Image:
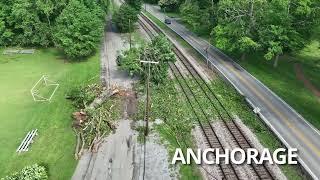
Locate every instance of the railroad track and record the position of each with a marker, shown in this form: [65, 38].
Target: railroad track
[227, 171]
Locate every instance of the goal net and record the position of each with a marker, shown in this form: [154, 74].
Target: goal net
[44, 89]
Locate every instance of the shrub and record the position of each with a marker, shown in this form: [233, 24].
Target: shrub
[82, 96]
[33, 172]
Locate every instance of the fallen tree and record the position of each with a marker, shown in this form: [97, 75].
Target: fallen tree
[94, 121]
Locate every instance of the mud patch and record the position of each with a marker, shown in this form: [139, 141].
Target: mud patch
[131, 104]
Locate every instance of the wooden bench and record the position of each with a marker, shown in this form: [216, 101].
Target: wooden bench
[24, 146]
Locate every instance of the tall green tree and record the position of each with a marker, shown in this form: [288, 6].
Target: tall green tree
[199, 19]
[25, 27]
[190, 12]
[159, 49]
[237, 25]
[78, 31]
[287, 26]
[96, 8]
[28, 26]
[125, 18]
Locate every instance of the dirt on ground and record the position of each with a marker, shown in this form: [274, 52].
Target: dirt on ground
[301, 76]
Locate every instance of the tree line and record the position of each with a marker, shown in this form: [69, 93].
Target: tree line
[273, 27]
[74, 26]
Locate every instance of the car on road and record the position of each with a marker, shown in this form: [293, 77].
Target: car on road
[167, 21]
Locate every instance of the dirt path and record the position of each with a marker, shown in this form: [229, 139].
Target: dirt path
[300, 76]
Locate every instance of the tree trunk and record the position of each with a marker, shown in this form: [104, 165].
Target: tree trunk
[275, 64]
[243, 56]
[251, 14]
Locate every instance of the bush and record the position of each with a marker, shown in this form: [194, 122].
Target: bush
[82, 96]
[122, 16]
[33, 172]
[78, 30]
[130, 61]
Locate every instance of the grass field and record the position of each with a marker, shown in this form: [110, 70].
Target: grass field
[54, 145]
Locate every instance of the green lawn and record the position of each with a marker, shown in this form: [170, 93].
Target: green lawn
[54, 145]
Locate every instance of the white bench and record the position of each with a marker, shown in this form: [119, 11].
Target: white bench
[17, 51]
[24, 146]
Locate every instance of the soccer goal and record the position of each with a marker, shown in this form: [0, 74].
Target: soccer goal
[44, 89]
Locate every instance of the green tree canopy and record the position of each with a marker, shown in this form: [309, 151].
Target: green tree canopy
[275, 26]
[190, 12]
[237, 25]
[34, 23]
[136, 4]
[123, 16]
[287, 26]
[78, 31]
[169, 5]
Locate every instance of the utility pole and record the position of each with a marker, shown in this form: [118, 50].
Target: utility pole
[148, 94]
[130, 34]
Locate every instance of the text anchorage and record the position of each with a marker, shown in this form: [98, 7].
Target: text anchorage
[236, 156]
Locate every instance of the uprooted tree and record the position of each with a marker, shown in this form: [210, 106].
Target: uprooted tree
[96, 116]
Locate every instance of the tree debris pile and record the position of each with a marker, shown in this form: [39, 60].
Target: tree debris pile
[90, 132]
[95, 120]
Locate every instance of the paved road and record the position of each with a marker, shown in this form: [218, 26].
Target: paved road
[291, 128]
